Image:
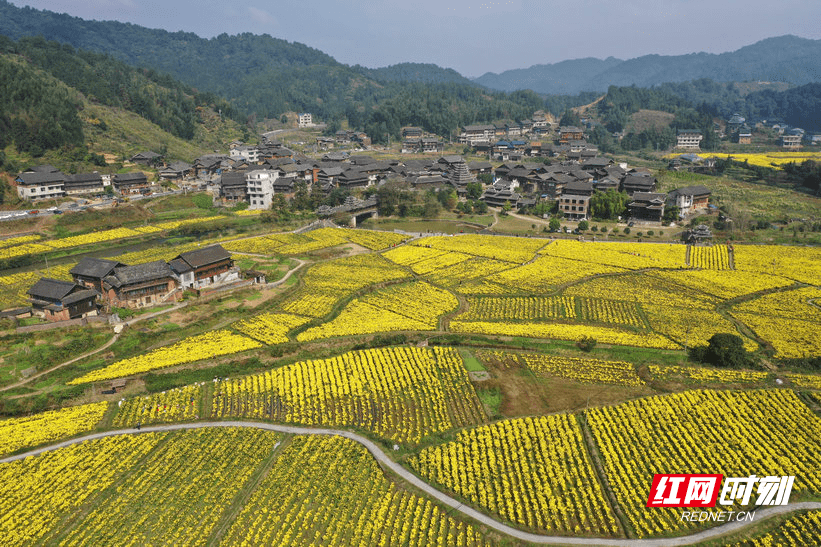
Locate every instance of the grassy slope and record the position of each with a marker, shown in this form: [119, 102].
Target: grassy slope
[748, 198]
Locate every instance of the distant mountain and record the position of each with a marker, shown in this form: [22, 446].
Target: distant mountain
[264, 77]
[564, 78]
[782, 59]
[55, 98]
[425, 73]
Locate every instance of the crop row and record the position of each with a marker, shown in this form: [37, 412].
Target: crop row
[704, 375]
[737, 434]
[416, 306]
[585, 370]
[525, 308]
[194, 348]
[330, 491]
[791, 339]
[631, 256]
[716, 257]
[801, 264]
[270, 328]
[179, 493]
[175, 405]
[509, 249]
[37, 494]
[18, 433]
[401, 394]
[547, 272]
[563, 331]
[530, 471]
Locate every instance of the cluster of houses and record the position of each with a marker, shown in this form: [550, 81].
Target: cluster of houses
[572, 184]
[96, 281]
[48, 182]
[571, 181]
[343, 137]
[789, 138]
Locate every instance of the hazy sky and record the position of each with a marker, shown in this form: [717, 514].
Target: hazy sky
[473, 36]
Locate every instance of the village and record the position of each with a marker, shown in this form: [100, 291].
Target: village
[561, 169]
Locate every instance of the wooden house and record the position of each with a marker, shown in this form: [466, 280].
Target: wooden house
[56, 300]
[647, 206]
[131, 183]
[91, 271]
[200, 268]
[141, 285]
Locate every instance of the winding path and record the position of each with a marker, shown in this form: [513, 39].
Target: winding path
[387, 462]
[137, 319]
[55, 367]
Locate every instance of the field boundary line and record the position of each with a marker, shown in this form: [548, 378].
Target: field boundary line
[443, 498]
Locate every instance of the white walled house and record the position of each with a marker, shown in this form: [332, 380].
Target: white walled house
[305, 119]
[247, 152]
[259, 186]
[41, 185]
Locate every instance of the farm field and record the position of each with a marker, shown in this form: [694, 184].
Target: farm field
[539, 382]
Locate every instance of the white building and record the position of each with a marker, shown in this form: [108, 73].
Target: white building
[259, 186]
[41, 185]
[305, 119]
[475, 134]
[689, 139]
[247, 152]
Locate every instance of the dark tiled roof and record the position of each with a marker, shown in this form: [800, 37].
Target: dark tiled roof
[130, 275]
[648, 197]
[95, 267]
[129, 177]
[205, 256]
[79, 296]
[42, 169]
[41, 178]
[179, 266]
[84, 177]
[231, 180]
[576, 186]
[149, 155]
[698, 190]
[52, 289]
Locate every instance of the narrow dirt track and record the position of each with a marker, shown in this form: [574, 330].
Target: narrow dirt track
[382, 458]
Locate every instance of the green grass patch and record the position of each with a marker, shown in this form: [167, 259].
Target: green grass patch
[492, 399]
[472, 364]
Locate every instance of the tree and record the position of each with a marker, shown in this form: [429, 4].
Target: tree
[452, 200]
[506, 208]
[284, 120]
[474, 189]
[302, 200]
[431, 207]
[723, 350]
[583, 225]
[586, 343]
[554, 225]
[608, 205]
[570, 118]
[671, 214]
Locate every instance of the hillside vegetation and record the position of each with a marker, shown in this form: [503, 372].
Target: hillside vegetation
[781, 59]
[71, 108]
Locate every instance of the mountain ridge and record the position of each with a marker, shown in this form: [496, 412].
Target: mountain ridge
[786, 58]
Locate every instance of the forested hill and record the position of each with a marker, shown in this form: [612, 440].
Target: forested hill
[44, 86]
[266, 77]
[782, 59]
[37, 111]
[415, 72]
